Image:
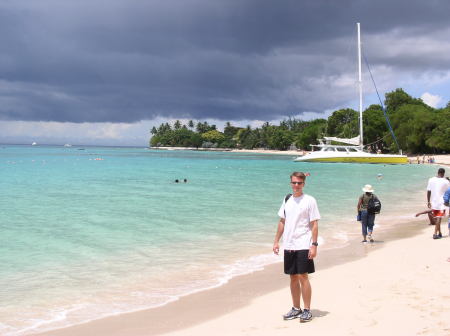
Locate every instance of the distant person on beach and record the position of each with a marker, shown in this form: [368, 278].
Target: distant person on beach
[367, 215]
[299, 220]
[437, 186]
[447, 203]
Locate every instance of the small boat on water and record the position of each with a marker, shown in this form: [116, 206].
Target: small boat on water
[34, 144]
[67, 145]
[353, 151]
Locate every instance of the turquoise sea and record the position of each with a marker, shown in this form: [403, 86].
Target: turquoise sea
[88, 232]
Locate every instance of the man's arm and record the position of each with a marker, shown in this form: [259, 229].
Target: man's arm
[423, 213]
[315, 234]
[428, 199]
[359, 204]
[280, 230]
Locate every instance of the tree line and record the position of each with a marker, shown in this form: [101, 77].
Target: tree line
[418, 127]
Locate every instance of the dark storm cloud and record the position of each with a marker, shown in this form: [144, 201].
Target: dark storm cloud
[130, 60]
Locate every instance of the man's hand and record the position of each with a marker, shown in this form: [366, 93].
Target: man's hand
[276, 248]
[429, 205]
[312, 252]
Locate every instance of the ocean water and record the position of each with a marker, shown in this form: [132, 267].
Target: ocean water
[88, 232]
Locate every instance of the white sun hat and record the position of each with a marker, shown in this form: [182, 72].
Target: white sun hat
[368, 188]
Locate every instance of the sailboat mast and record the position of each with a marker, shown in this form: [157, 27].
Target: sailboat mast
[360, 89]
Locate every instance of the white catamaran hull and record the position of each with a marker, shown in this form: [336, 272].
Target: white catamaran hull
[360, 157]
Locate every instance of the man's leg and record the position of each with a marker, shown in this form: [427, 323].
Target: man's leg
[437, 225]
[364, 224]
[370, 225]
[295, 290]
[431, 218]
[305, 289]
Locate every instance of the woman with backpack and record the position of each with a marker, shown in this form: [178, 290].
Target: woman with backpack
[368, 206]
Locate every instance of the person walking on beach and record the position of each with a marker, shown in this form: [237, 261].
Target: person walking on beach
[367, 215]
[299, 218]
[447, 203]
[437, 186]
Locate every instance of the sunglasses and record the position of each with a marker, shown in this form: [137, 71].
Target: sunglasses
[298, 183]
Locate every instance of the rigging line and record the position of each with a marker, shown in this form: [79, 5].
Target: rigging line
[381, 103]
[377, 140]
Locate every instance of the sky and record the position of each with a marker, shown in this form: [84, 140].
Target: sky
[106, 71]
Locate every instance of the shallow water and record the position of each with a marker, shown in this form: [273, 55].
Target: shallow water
[93, 231]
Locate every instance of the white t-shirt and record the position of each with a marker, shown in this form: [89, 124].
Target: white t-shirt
[438, 186]
[300, 212]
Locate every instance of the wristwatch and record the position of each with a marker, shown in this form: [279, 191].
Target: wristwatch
[315, 243]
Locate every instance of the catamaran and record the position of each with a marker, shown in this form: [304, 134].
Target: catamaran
[353, 151]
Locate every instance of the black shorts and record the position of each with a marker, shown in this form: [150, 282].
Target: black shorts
[297, 262]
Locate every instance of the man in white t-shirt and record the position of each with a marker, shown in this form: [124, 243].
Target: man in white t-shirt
[299, 218]
[437, 186]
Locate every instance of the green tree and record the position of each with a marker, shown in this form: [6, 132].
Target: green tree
[343, 123]
[440, 135]
[397, 98]
[195, 140]
[203, 127]
[310, 135]
[180, 137]
[375, 128]
[213, 136]
[230, 131]
[413, 124]
[247, 138]
[280, 138]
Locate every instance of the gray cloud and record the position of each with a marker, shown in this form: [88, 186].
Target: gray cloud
[130, 60]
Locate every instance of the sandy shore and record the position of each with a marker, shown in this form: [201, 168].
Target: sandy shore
[398, 285]
[441, 159]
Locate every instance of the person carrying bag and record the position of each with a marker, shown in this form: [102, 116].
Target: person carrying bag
[368, 206]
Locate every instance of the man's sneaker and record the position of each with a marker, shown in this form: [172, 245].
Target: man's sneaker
[435, 236]
[440, 235]
[292, 314]
[305, 316]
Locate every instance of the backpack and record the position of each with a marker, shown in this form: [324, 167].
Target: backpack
[285, 200]
[374, 205]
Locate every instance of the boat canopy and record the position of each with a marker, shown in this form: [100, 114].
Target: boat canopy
[352, 141]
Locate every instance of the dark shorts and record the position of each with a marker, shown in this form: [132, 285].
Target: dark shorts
[297, 262]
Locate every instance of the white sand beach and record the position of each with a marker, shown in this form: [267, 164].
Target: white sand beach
[395, 290]
[440, 159]
[395, 286]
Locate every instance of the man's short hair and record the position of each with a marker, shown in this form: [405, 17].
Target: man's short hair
[441, 171]
[299, 175]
